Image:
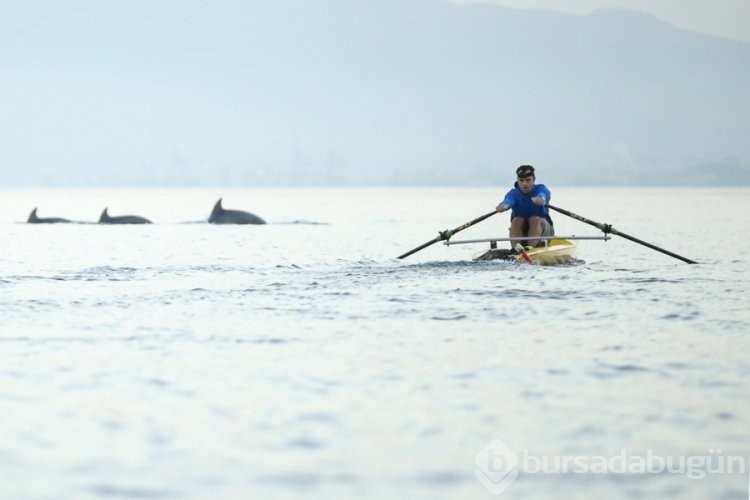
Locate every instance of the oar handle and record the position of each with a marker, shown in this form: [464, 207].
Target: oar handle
[469, 224]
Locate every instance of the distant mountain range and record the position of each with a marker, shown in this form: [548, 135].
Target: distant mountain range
[387, 92]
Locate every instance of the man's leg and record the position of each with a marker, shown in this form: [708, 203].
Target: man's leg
[518, 228]
[537, 227]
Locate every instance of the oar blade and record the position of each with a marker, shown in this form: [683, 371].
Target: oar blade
[652, 246]
[606, 228]
[420, 247]
[444, 235]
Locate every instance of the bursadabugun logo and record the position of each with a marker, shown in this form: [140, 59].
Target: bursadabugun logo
[496, 466]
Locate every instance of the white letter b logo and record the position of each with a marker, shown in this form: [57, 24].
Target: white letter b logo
[496, 467]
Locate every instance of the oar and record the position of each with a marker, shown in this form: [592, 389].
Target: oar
[444, 235]
[522, 251]
[609, 229]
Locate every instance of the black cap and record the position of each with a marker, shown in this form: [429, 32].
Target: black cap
[525, 171]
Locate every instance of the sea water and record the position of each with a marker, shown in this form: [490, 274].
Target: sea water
[303, 359]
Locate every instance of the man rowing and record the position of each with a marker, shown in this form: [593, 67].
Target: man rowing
[529, 216]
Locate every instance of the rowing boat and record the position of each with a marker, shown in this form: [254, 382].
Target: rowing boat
[556, 251]
[550, 253]
[553, 251]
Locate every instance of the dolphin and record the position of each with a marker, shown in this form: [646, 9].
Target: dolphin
[221, 216]
[105, 218]
[33, 219]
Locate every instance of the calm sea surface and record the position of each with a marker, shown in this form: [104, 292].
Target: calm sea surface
[302, 359]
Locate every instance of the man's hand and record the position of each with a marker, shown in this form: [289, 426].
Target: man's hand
[539, 201]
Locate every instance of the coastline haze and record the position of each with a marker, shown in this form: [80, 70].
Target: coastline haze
[417, 92]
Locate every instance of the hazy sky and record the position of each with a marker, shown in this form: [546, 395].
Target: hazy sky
[386, 92]
[726, 18]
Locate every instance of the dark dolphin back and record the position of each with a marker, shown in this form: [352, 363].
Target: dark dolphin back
[239, 217]
[105, 218]
[33, 219]
[221, 216]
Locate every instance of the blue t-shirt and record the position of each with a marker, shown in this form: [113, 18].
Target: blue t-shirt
[521, 204]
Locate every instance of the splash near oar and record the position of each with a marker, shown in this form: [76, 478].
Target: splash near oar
[608, 229]
[444, 235]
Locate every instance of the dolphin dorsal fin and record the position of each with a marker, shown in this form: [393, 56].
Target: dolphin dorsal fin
[32, 215]
[104, 215]
[217, 211]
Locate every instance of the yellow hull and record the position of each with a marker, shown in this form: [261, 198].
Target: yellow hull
[557, 251]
